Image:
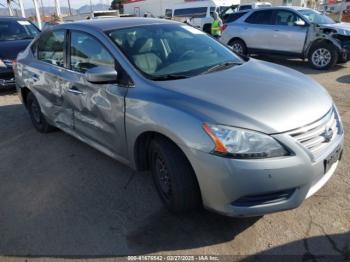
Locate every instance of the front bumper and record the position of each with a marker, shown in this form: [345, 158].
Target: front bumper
[7, 78]
[256, 187]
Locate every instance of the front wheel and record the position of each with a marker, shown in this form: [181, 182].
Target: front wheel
[173, 176]
[323, 56]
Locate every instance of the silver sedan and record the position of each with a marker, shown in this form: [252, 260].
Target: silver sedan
[238, 136]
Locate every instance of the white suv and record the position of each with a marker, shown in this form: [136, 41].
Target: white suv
[292, 31]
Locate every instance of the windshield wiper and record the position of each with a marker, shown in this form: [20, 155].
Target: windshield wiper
[167, 77]
[220, 66]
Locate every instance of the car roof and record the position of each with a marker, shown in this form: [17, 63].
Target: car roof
[296, 8]
[10, 18]
[114, 23]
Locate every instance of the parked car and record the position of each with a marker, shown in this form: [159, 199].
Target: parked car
[253, 6]
[292, 31]
[242, 137]
[15, 34]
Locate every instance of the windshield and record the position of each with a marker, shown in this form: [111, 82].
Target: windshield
[17, 30]
[316, 17]
[171, 49]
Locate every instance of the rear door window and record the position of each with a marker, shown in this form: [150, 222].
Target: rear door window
[51, 48]
[260, 17]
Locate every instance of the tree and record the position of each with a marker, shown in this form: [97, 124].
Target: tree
[117, 5]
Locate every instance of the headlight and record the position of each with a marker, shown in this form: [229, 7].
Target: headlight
[344, 32]
[243, 144]
[2, 64]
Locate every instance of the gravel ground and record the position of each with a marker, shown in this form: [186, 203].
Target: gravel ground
[61, 198]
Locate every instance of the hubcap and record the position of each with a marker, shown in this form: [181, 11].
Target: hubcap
[36, 112]
[321, 57]
[237, 47]
[163, 177]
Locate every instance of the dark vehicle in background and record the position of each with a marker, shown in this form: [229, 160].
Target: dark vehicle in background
[15, 34]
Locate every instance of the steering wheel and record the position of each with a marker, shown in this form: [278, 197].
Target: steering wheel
[188, 52]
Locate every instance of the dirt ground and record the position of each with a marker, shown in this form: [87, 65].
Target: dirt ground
[61, 198]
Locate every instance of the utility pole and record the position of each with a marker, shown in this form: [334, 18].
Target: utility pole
[58, 8]
[36, 6]
[42, 7]
[22, 8]
[9, 7]
[69, 7]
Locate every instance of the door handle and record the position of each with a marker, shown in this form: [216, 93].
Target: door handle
[35, 77]
[75, 90]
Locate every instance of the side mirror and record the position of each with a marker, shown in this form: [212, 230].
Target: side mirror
[101, 75]
[300, 23]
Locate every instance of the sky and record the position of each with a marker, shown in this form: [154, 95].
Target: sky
[74, 3]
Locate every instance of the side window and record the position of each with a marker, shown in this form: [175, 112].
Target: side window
[260, 17]
[287, 18]
[51, 48]
[86, 52]
[233, 17]
[191, 12]
[168, 13]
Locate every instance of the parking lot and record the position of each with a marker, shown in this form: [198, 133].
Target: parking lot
[62, 198]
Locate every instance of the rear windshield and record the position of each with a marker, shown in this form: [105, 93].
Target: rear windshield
[17, 30]
[233, 17]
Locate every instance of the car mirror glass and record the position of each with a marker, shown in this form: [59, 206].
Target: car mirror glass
[300, 23]
[101, 75]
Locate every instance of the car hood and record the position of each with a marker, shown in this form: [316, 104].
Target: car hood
[342, 26]
[10, 49]
[256, 95]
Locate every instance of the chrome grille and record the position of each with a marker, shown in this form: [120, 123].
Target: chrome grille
[317, 136]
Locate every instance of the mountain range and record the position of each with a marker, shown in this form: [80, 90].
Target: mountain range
[49, 10]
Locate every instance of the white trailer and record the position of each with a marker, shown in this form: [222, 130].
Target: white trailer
[151, 8]
[165, 8]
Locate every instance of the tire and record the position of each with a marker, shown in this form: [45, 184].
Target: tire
[238, 46]
[323, 56]
[207, 29]
[173, 176]
[38, 119]
[343, 59]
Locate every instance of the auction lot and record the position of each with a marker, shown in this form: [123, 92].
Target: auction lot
[62, 198]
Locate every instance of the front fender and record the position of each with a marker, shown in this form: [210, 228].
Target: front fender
[315, 35]
[161, 117]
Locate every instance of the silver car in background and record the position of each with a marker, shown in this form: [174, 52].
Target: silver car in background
[239, 136]
[291, 31]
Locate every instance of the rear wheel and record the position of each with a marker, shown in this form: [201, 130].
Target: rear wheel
[323, 56]
[38, 119]
[238, 46]
[173, 176]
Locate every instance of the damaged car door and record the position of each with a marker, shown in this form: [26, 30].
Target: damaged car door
[289, 32]
[98, 108]
[45, 77]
